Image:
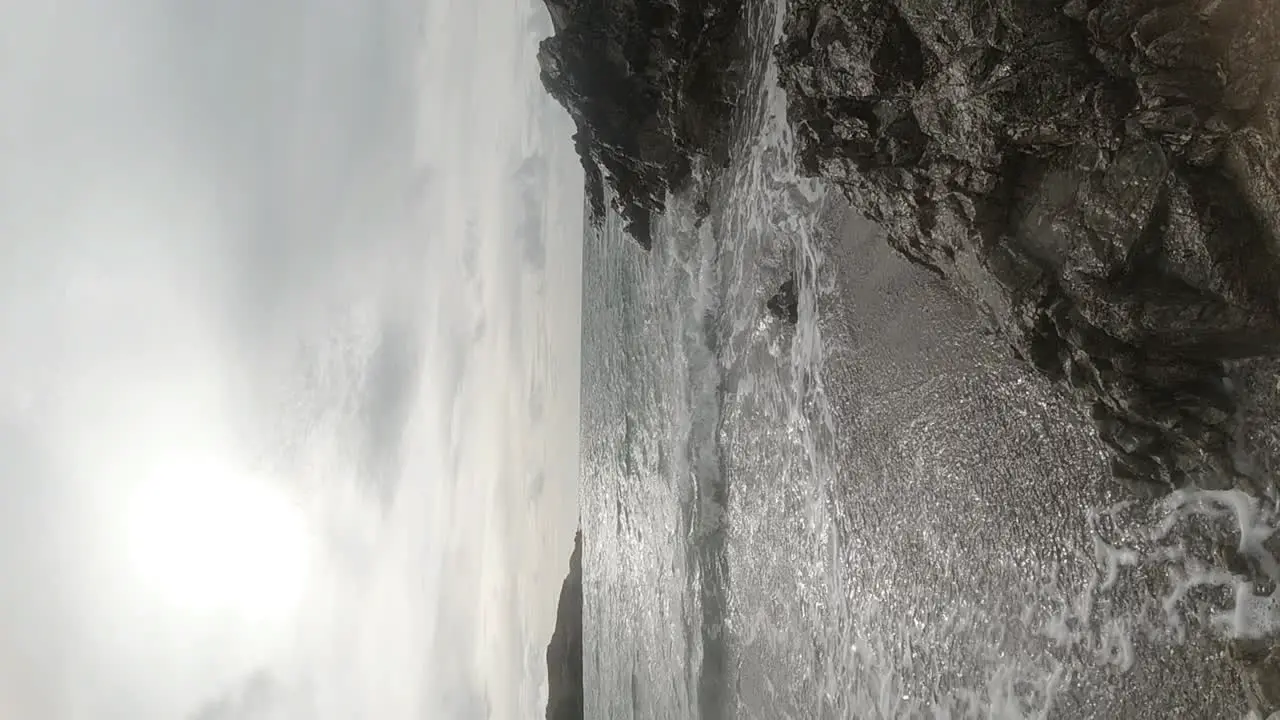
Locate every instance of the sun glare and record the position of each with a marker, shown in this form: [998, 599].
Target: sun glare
[206, 540]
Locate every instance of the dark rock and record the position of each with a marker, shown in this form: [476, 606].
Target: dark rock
[650, 85]
[1101, 177]
[564, 652]
[592, 178]
[1259, 664]
[785, 304]
[702, 210]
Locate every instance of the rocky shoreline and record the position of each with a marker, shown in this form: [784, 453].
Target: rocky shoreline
[1099, 177]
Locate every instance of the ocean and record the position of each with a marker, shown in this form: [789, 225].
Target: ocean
[876, 513]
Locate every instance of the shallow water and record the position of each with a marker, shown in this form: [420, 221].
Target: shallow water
[876, 514]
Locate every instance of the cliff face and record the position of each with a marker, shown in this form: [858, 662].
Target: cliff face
[564, 653]
[650, 87]
[1101, 177]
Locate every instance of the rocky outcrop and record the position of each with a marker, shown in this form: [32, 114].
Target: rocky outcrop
[785, 304]
[1101, 177]
[564, 653]
[650, 85]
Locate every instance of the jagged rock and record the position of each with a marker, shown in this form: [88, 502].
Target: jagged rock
[785, 304]
[650, 85]
[1101, 177]
[564, 652]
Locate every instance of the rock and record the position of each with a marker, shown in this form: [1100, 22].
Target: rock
[564, 652]
[593, 179]
[1259, 665]
[785, 304]
[650, 85]
[1100, 177]
[702, 210]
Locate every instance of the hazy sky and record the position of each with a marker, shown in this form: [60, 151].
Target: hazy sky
[289, 355]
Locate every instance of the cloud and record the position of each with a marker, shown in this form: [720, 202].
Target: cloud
[256, 698]
[537, 403]
[390, 386]
[531, 180]
[537, 480]
[281, 240]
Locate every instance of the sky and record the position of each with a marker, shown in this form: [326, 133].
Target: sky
[289, 358]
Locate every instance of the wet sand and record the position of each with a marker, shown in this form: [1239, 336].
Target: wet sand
[967, 479]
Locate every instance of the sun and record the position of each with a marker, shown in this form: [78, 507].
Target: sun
[204, 539]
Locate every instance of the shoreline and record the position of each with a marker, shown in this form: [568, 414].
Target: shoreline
[1098, 234]
[1111, 219]
[967, 479]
